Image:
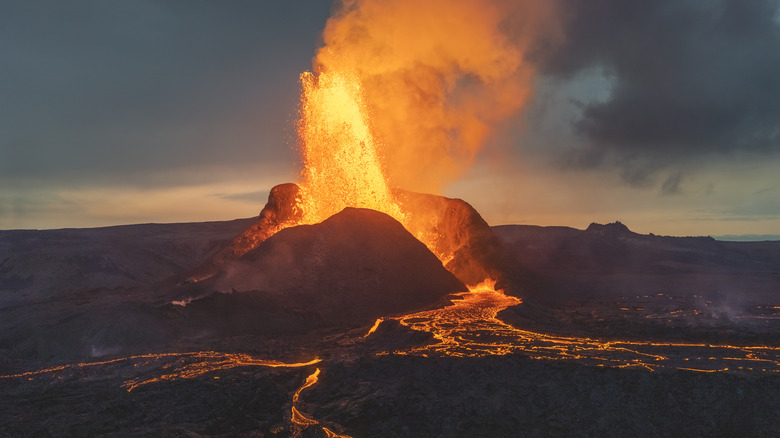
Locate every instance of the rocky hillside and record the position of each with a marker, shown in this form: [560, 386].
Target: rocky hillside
[610, 261]
[38, 264]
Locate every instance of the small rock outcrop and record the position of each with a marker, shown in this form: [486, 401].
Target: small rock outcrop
[614, 229]
[280, 210]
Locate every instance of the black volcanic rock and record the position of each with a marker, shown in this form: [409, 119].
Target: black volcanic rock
[342, 273]
[350, 269]
[77, 293]
[507, 396]
[397, 396]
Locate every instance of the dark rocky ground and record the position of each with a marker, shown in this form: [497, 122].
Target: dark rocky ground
[607, 281]
[252, 401]
[64, 292]
[518, 396]
[401, 396]
[560, 265]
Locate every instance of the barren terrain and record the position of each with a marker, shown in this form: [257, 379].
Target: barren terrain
[617, 334]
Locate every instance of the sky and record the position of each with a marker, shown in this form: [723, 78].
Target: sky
[664, 115]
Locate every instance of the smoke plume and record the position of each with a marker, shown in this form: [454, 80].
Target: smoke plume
[437, 76]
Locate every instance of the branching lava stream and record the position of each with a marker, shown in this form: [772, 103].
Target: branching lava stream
[470, 327]
[300, 421]
[148, 367]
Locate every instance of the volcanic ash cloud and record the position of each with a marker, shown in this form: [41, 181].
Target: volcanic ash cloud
[437, 76]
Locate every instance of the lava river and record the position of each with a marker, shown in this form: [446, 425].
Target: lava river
[470, 328]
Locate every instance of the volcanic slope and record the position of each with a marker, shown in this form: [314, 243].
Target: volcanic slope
[346, 271]
[62, 291]
[456, 232]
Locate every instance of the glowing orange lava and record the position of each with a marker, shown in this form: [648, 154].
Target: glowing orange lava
[470, 327]
[180, 365]
[301, 421]
[154, 368]
[341, 164]
[396, 99]
[311, 380]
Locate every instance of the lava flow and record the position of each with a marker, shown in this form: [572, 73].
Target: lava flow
[188, 365]
[344, 168]
[470, 327]
[299, 420]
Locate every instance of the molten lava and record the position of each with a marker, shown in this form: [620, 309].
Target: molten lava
[406, 93]
[341, 164]
[414, 112]
[180, 366]
[470, 328]
[301, 421]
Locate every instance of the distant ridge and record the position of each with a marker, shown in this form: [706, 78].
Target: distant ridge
[609, 261]
[747, 237]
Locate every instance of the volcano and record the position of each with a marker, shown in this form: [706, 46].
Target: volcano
[225, 344]
[458, 234]
[352, 268]
[95, 293]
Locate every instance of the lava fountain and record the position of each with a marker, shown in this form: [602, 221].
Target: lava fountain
[341, 164]
[405, 94]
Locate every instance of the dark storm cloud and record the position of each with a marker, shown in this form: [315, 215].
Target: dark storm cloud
[689, 79]
[117, 86]
[671, 186]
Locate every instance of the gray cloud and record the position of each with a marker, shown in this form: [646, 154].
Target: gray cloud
[689, 78]
[101, 88]
[671, 186]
